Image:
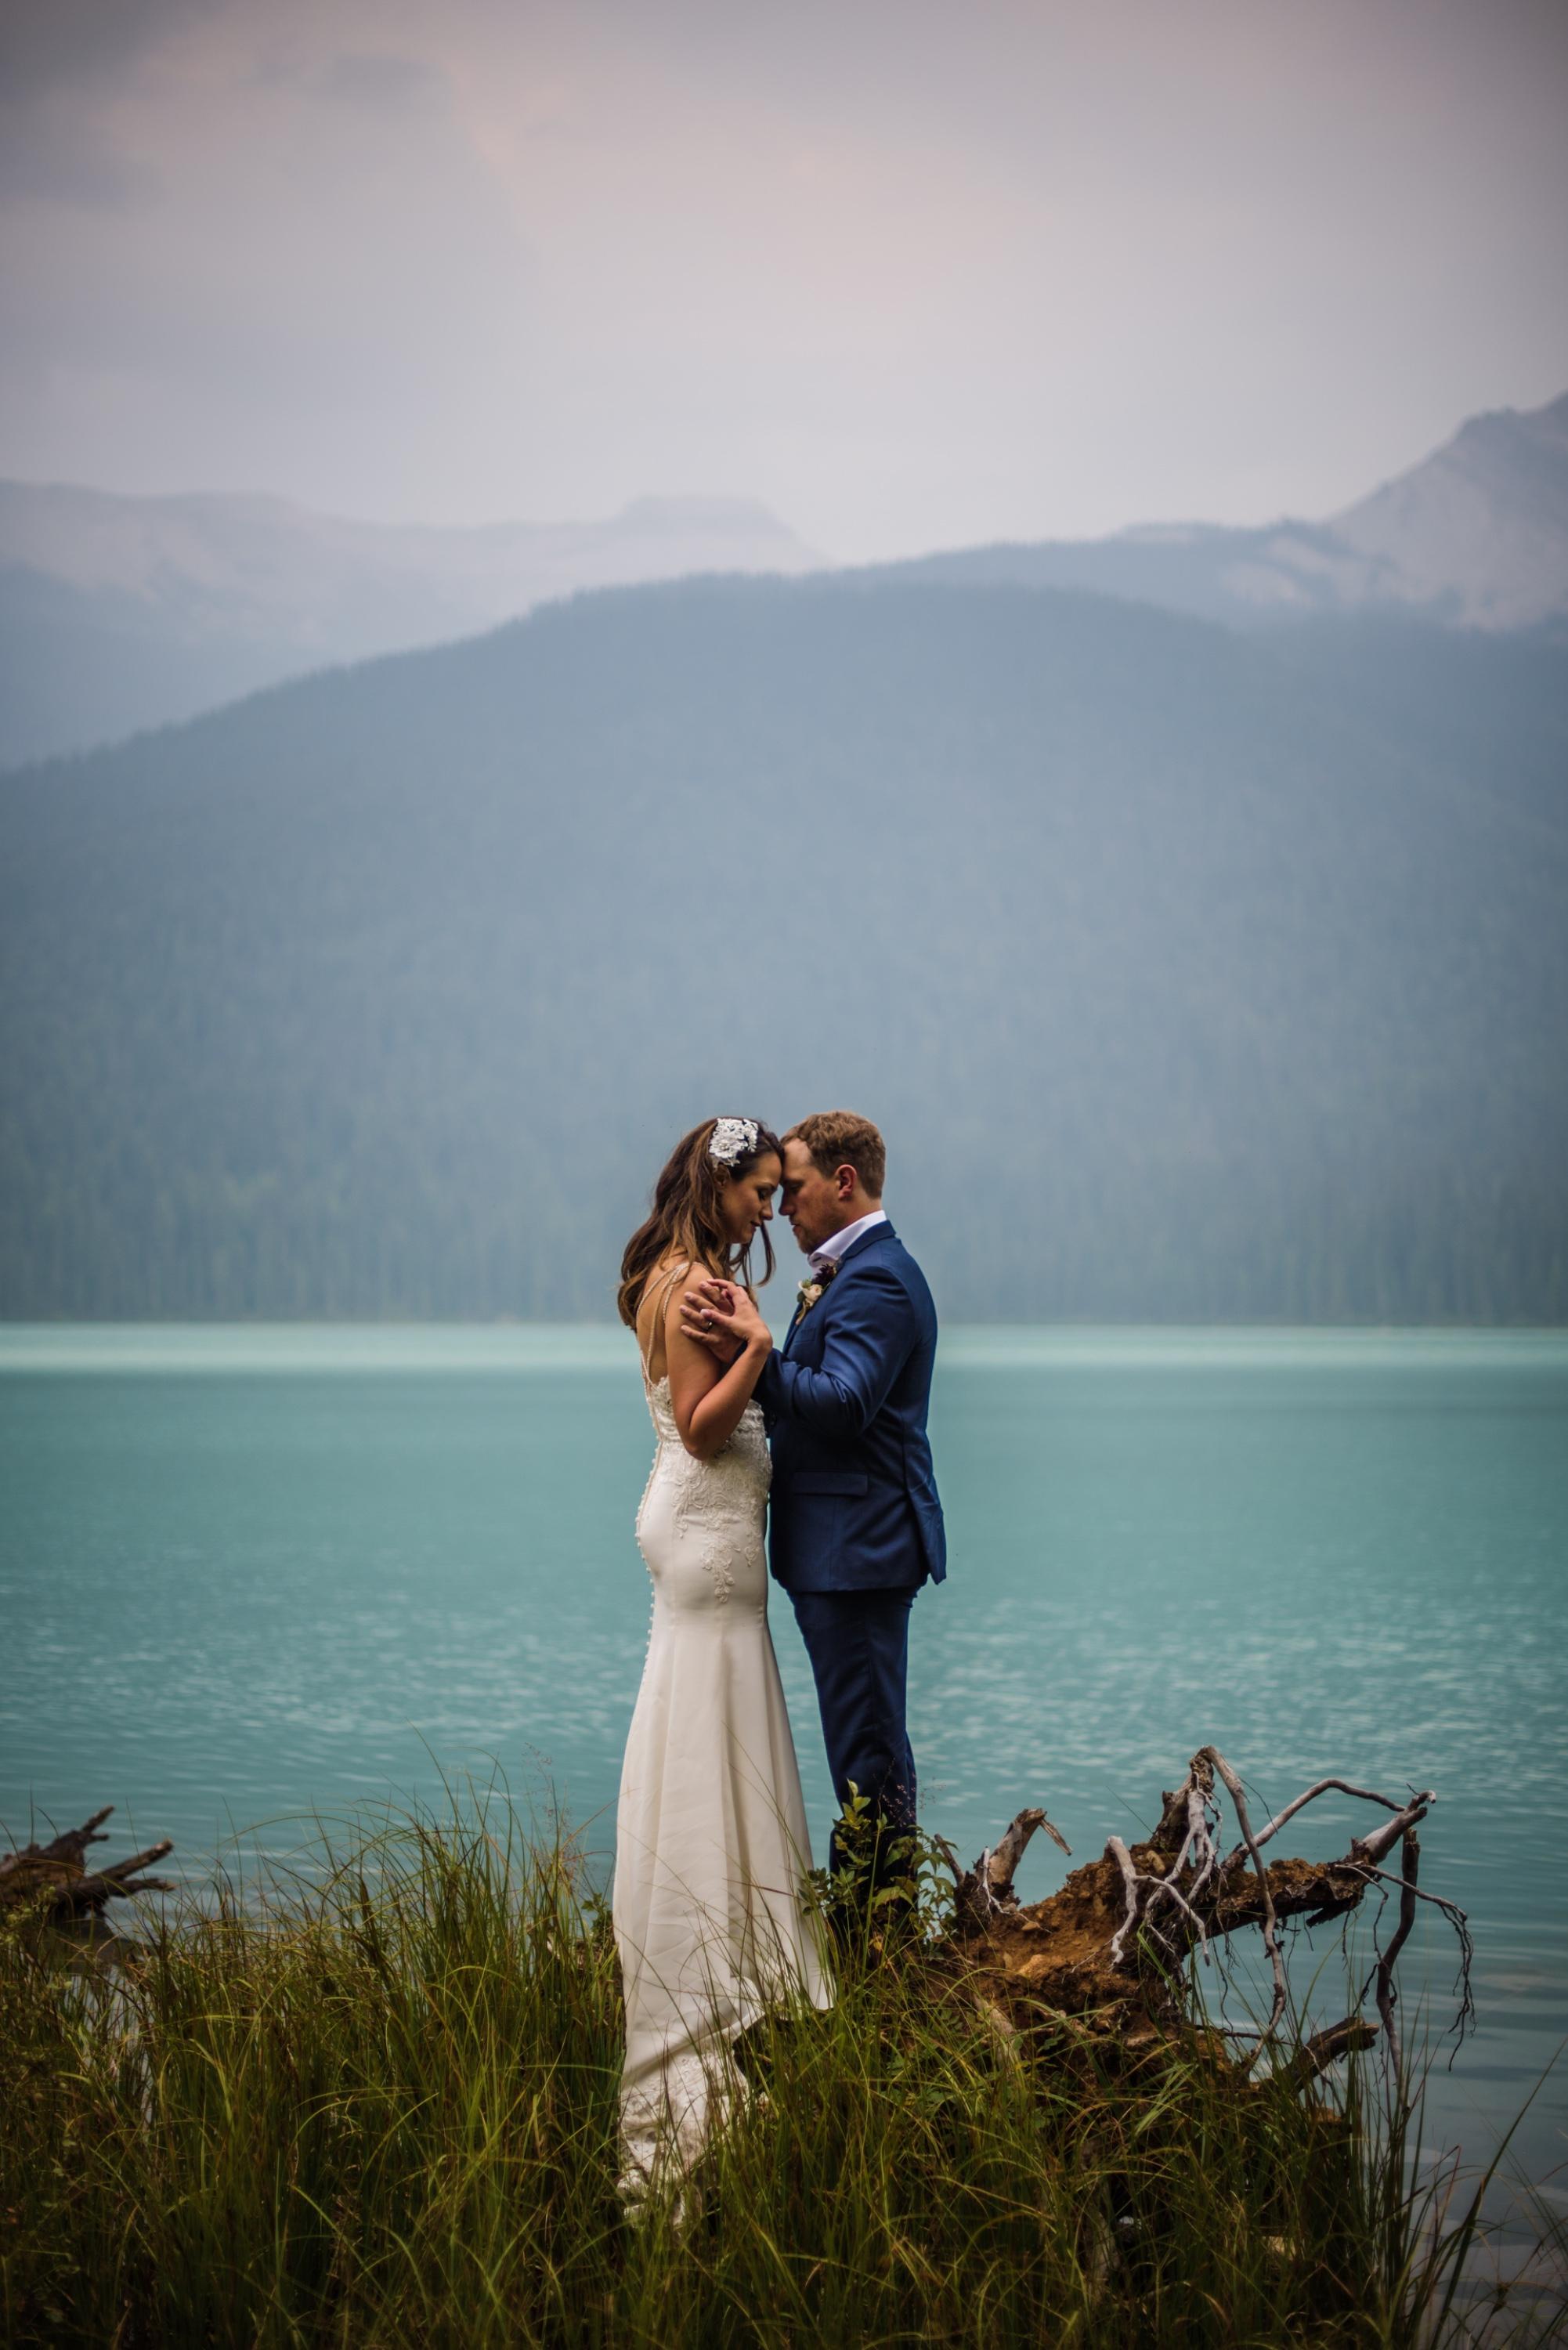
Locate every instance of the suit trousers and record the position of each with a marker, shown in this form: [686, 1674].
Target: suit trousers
[859, 1643]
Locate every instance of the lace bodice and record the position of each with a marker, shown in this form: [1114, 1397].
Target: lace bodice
[714, 1509]
[746, 1451]
[707, 1515]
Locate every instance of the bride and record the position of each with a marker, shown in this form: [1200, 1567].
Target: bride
[710, 1831]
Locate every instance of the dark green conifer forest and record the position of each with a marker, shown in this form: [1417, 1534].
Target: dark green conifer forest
[1191, 975]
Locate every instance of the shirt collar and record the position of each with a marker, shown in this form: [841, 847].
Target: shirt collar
[834, 1246]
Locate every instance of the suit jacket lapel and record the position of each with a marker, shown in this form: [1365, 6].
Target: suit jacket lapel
[877, 1233]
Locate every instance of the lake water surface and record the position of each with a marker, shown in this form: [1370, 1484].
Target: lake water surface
[248, 1572]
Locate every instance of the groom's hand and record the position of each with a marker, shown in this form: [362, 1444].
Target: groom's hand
[704, 1311]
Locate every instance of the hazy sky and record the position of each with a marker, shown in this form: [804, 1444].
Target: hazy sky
[915, 271]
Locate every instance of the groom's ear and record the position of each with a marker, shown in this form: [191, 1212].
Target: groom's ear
[847, 1179]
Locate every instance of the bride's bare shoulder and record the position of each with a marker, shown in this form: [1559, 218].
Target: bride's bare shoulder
[663, 1279]
[659, 1308]
[677, 1275]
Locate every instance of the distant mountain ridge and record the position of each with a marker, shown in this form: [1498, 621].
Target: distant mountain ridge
[1479, 531]
[1475, 537]
[118, 613]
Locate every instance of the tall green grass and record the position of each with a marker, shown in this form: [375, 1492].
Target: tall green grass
[383, 2112]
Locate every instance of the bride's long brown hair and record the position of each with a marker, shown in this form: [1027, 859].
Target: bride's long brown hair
[687, 1218]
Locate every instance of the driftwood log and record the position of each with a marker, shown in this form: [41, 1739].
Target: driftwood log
[1109, 1954]
[54, 1880]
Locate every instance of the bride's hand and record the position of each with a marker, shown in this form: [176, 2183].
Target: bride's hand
[724, 1318]
[708, 1315]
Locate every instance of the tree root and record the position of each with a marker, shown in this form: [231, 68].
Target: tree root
[1109, 1953]
[53, 1880]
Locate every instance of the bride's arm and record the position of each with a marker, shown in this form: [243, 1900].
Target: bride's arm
[706, 1396]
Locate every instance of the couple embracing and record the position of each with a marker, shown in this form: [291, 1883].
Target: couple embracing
[711, 1839]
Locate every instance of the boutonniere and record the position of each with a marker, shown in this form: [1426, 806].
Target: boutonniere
[811, 1289]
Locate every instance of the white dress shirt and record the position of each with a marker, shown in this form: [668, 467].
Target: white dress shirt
[834, 1246]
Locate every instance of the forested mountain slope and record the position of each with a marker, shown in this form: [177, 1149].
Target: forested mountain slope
[1187, 978]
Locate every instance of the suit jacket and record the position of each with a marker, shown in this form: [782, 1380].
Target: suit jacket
[854, 1504]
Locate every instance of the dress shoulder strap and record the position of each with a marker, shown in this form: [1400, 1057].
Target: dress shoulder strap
[661, 1286]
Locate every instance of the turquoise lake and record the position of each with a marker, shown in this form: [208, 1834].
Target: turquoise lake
[249, 1573]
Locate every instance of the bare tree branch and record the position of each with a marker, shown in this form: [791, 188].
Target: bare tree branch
[1387, 1997]
[1271, 1931]
[1383, 1840]
[1315, 2056]
[1340, 1786]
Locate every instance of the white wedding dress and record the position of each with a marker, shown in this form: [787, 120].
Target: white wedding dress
[711, 1830]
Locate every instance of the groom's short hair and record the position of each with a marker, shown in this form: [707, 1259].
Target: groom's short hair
[836, 1138]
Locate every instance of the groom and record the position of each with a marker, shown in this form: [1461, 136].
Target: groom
[855, 1523]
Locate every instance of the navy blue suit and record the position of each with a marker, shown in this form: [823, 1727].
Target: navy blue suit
[856, 1526]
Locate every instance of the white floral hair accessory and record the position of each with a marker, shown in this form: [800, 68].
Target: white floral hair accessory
[732, 1139]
